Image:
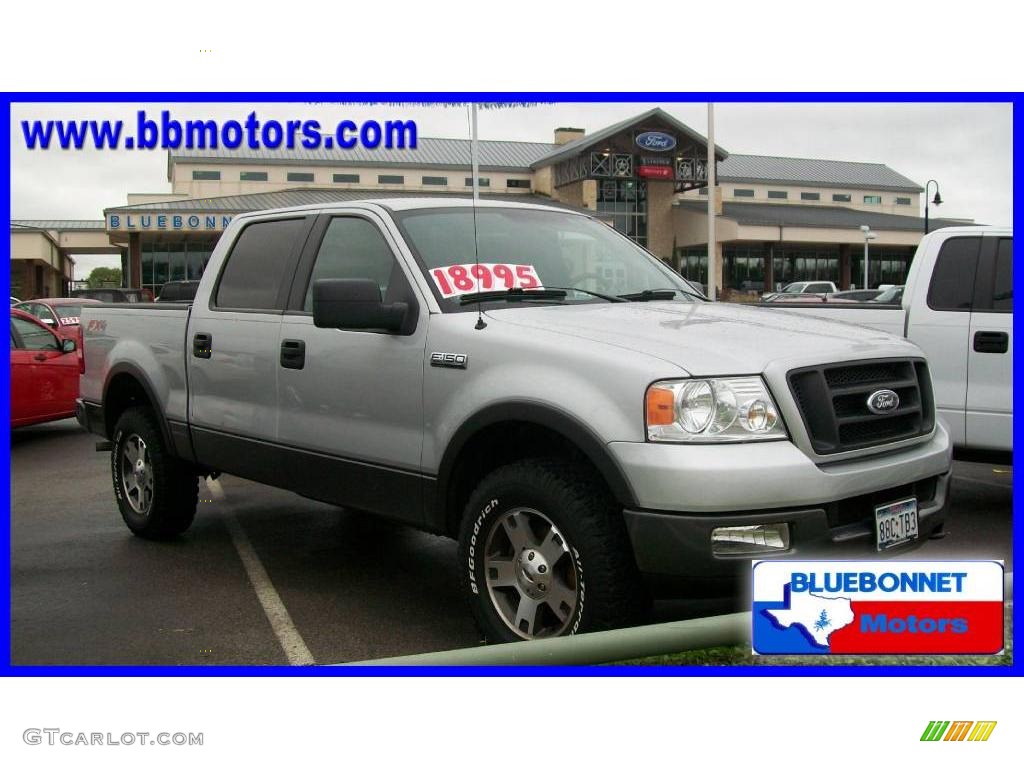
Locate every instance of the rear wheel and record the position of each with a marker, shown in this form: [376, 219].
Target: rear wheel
[156, 493]
[545, 553]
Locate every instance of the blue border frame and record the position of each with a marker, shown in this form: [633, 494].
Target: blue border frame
[1016, 669]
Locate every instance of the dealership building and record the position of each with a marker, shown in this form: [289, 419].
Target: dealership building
[778, 219]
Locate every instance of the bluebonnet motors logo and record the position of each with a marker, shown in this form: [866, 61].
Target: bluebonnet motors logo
[818, 607]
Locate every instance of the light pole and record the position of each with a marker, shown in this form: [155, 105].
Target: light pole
[936, 201]
[868, 237]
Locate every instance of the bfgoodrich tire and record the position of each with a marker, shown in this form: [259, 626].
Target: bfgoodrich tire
[544, 552]
[156, 493]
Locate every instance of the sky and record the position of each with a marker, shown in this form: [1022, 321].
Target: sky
[967, 148]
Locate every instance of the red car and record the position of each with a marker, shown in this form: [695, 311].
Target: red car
[61, 315]
[44, 372]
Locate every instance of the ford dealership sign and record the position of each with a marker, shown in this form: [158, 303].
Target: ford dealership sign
[656, 141]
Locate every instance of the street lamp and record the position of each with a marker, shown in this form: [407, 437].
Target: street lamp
[868, 237]
[936, 201]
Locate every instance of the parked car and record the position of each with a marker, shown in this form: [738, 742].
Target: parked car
[178, 290]
[44, 372]
[957, 306]
[61, 315]
[856, 294]
[890, 295]
[802, 287]
[562, 422]
[114, 295]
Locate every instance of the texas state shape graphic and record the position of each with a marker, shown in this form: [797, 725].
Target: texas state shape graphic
[817, 617]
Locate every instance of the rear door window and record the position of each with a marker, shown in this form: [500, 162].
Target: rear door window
[952, 285]
[256, 268]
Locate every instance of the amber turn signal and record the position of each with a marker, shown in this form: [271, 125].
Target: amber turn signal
[660, 407]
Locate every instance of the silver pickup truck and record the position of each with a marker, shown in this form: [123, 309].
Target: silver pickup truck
[529, 381]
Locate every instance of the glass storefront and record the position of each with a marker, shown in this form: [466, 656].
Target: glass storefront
[793, 263]
[626, 201]
[163, 261]
[886, 266]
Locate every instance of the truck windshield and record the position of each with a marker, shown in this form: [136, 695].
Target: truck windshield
[529, 250]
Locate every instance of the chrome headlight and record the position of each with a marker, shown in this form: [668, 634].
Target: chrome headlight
[733, 409]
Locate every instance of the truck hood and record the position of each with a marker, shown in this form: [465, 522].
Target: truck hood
[710, 338]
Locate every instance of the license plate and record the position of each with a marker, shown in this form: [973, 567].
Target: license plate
[896, 523]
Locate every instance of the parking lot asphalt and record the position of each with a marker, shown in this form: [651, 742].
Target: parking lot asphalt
[350, 586]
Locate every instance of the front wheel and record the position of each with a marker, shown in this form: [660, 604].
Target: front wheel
[544, 553]
[156, 493]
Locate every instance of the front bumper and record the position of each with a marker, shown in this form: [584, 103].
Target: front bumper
[685, 491]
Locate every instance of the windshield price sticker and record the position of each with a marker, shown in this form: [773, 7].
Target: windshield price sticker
[69, 321]
[460, 279]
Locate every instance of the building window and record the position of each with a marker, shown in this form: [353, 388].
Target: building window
[743, 193]
[873, 199]
[386, 179]
[435, 181]
[299, 176]
[518, 184]
[810, 196]
[902, 201]
[252, 176]
[624, 202]
[484, 181]
[205, 175]
[163, 261]
[840, 198]
[777, 194]
[346, 178]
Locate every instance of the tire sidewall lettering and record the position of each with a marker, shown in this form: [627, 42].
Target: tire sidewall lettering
[471, 563]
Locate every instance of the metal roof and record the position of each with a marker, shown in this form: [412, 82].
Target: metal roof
[826, 217]
[565, 150]
[818, 173]
[440, 153]
[289, 198]
[63, 225]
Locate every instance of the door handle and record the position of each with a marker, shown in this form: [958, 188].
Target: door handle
[202, 345]
[39, 357]
[293, 354]
[993, 342]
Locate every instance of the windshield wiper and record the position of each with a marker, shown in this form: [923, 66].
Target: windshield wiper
[547, 292]
[656, 294]
[514, 294]
[595, 294]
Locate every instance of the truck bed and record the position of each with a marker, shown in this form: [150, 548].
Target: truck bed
[150, 336]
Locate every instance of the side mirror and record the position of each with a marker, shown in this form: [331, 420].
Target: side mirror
[355, 305]
[68, 345]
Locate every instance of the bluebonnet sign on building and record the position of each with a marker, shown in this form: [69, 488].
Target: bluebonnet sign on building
[656, 141]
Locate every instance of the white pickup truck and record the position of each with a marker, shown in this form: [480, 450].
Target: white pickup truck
[958, 308]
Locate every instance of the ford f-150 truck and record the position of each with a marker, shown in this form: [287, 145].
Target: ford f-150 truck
[958, 307]
[529, 381]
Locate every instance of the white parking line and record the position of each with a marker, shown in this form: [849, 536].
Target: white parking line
[288, 636]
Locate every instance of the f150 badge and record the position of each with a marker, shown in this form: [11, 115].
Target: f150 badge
[449, 360]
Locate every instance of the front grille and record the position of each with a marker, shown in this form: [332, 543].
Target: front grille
[833, 403]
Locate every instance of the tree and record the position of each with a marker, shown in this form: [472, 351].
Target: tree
[105, 277]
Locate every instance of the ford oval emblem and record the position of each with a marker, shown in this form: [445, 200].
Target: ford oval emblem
[656, 141]
[883, 401]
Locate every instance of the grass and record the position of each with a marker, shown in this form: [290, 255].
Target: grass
[740, 655]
